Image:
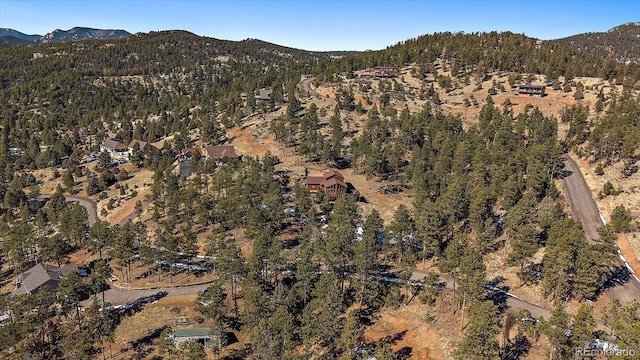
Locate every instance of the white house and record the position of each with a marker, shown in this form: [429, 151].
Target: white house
[116, 149]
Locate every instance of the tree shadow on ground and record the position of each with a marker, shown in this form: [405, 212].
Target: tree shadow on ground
[392, 339]
[619, 276]
[516, 348]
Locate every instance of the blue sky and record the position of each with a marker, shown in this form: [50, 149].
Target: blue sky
[321, 25]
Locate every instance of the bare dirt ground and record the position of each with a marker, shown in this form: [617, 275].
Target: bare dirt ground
[254, 140]
[140, 182]
[408, 331]
[153, 317]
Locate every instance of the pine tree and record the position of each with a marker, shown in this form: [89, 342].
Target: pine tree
[335, 123]
[584, 325]
[557, 331]
[479, 341]
[338, 246]
[365, 259]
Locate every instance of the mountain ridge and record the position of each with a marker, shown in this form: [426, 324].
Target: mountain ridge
[14, 37]
[620, 43]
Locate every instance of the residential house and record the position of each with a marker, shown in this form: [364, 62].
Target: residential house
[144, 146]
[263, 95]
[30, 281]
[331, 183]
[187, 153]
[116, 148]
[531, 90]
[385, 71]
[219, 152]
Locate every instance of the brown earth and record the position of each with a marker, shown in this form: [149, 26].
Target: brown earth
[140, 181]
[254, 141]
[410, 331]
[153, 317]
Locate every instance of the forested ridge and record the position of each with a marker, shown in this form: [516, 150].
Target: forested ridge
[619, 43]
[480, 53]
[308, 287]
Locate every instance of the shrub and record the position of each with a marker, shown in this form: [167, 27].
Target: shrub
[621, 220]
[599, 170]
[607, 189]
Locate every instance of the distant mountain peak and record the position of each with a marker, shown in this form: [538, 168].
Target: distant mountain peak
[14, 37]
[83, 33]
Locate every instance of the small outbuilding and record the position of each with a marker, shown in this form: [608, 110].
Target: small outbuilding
[201, 335]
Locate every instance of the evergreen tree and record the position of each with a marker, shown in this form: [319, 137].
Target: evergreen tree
[479, 341]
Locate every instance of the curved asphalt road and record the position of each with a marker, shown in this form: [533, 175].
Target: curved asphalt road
[89, 204]
[584, 209]
[306, 86]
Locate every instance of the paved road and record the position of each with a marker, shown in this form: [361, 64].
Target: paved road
[515, 302]
[92, 208]
[89, 204]
[185, 168]
[306, 87]
[117, 296]
[583, 206]
[584, 209]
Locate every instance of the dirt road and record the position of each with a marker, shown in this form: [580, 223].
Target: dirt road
[581, 202]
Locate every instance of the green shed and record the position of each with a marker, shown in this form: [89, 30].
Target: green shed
[201, 335]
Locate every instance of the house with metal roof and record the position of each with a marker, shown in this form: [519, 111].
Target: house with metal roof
[531, 90]
[202, 335]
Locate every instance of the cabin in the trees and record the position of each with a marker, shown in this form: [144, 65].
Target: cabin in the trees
[116, 148]
[263, 95]
[377, 72]
[32, 280]
[219, 152]
[201, 335]
[531, 90]
[331, 183]
[385, 72]
[142, 145]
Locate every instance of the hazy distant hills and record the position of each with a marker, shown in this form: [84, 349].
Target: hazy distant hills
[10, 36]
[13, 37]
[621, 43]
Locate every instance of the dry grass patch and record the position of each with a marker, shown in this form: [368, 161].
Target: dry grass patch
[409, 330]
